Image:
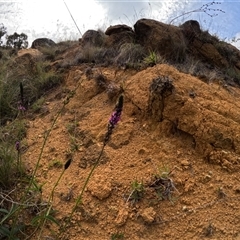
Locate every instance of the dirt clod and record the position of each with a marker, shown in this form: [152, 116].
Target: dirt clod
[148, 215]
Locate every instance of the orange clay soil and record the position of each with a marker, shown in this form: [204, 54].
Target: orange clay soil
[197, 139]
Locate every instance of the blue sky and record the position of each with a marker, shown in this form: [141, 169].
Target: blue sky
[42, 18]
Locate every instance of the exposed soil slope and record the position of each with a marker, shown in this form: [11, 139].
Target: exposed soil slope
[193, 130]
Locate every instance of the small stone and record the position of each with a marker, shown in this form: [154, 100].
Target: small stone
[122, 217]
[100, 188]
[141, 151]
[206, 178]
[184, 208]
[185, 162]
[237, 189]
[146, 160]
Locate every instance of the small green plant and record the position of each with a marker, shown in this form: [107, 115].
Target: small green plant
[55, 163]
[151, 59]
[37, 106]
[92, 54]
[73, 145]
[137, 191]
[117, 235]
[73, 131]
[12, 132]
[6, 230]
[71, 127]
[46, 79]
[163, 184]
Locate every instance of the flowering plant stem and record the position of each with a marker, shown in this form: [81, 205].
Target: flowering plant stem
[115, 117]
[50, 201]
[65, 102]
[32, 179]
[79, 198]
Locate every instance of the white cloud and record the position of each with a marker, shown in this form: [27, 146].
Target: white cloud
[51, 18]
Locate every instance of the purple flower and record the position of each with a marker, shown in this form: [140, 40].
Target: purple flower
[21, 108]
[114, 119]
[17, 146]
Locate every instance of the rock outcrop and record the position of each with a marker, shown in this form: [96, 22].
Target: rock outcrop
[162, 38]
[119, 35]
[42, 42]
[92, 37]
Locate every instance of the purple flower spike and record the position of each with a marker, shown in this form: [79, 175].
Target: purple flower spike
[114, 119]
[17, 146]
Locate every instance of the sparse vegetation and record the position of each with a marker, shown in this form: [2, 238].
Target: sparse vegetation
[37, 105]
[55, 163]
[137, 191]
[25, 82]
[8, 166]
[163, 184]
[12, 169]
[130, 54]
[116, 236]
[73, 131]
[151, 59]
[37, 79]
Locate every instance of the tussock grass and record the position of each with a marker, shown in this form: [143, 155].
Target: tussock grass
[129, 53]
[37, 79]
[8, 166]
